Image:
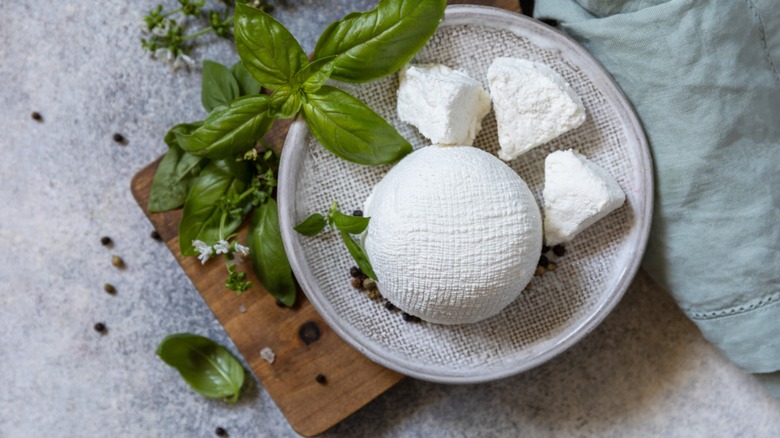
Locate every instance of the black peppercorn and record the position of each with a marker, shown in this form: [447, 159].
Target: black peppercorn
[321, 379]
[389, 306]
[357, 283]
[109, 288]
[155, 235]
[119, 138]
[100, 327]
[545, 249]
[105, 241]
[543, 261]
[37, 116]
[220, 432]
[559, 250]
[357, 213]
[356, 272]
[407, 317]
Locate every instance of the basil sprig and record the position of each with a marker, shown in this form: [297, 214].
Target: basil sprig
[346, 225]
[205, 365]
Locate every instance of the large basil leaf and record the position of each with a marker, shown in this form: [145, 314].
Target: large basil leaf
[175, 173]
[373, 44]
[205, 365]
[358, 254]
[267, 253]
[202, 213]
[229, 129]
[219, 87]
[350, 224]
[351, 130]
[267, 49]
[246, 82]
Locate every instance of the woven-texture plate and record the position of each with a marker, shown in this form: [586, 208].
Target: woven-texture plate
[561, 306]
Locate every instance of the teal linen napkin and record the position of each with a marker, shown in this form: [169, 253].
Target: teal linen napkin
[703, 77]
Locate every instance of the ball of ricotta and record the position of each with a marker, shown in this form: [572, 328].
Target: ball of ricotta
[455, 234]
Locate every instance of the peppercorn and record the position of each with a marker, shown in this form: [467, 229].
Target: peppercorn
[369, 284]
[105, 241]
[37, 116]
[559, 250]
[109, 288]
[100, 327]
[220, 431]
[119, 138]
[389, 306]
[357, 283]
[539, 271]
[373, 294]
[117, 262]
[543, 261]
[357, 213]
[551, 266]
[407, 317]
[545, 249]
[321, 379]
[156, 236]
[356, 272]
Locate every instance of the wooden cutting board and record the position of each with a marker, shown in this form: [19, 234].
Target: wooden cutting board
[304, 345]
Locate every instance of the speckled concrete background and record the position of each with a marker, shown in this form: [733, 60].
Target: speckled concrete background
[645, 371]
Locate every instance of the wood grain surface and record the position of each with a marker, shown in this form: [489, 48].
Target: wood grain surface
[254, 321]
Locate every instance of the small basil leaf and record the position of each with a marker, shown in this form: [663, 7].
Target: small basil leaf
[206, 366]
[267, 49]
[218, 87]
[350, 130]
[312, 226]
[229, 129]
[350, 224]
[358, 254]
[267, 253]
[202, 211]
[247, 84]
[173, 179]
[313, 76]
[373, 44]
[286, 102]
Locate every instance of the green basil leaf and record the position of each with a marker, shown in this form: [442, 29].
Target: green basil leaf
[312, 226]
[267, 253]
[350, 224]
[267, 49]
[286, 102]
[206, 366]
[358, 254]
[373, 44]
[247, 84]
[202, 213]
[313, 76]
[229, 129]
[219, 87]
[172, 136]
[351, 130]
[173, 179]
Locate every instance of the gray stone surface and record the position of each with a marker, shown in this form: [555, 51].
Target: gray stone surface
[645, 371]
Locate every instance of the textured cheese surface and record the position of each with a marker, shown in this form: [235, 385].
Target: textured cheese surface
[577, 193]
[533, 105]
[447, 106]
[455, 234]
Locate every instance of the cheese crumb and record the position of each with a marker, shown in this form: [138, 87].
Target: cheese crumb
[577, 193]
[533, 105]
[447, 106]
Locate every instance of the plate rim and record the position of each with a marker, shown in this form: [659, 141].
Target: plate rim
[294, 148]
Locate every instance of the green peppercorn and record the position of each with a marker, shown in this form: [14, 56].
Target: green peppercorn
[109, 288]
[117, 262]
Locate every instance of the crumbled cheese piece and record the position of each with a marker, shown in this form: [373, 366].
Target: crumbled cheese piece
[577, 193]
[447, 106]
[267, 354]
[533, 105]
[455, 234]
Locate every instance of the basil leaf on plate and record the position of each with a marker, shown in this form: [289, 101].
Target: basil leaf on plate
[267, 49]
[373, 44]
[358, 254]
[175, 173]
[350, 224]
[229, 129]
[351, 130]
[206, 366]
[203, 208]
[266, 251]
[312, 225]
[247, 84]
[286, 102]
[219, 87]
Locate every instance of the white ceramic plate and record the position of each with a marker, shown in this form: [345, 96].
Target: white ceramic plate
[561, 306]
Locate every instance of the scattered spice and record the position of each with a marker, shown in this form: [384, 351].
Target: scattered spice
[119, 138]
[369, 284]
[373, 294]
[551, 266]
[117, 262]
[539, 271]
[109, 288]
[559, 250]
[242, 308]
[268, 355]
[320, 379]
[409, 318]
[156, 236]
[357, 213]
[220, 432]
[355, 272]
[37, 116]
[545, 249]
[357, 283]
[543, 261]
[106, 241]
[100, 328]
[309, 332]
[390, 306]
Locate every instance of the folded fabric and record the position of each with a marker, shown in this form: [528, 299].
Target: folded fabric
[703, 77]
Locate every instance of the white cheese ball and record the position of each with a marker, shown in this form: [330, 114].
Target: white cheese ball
[455, 234]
